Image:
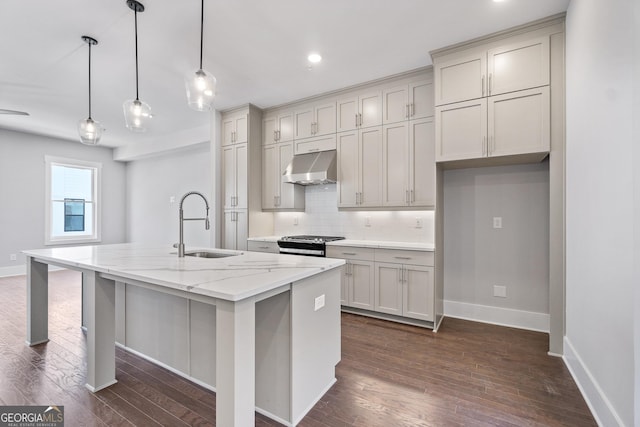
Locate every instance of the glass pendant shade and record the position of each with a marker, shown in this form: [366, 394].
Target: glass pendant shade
[90, 131]
[136, 115]
[201, 89]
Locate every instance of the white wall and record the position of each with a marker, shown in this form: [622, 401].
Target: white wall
[478, 256]
[599, 341]
[22, 191]
[151, 182]
[321, 217]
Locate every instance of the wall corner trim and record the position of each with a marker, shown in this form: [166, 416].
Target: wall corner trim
[601, 409]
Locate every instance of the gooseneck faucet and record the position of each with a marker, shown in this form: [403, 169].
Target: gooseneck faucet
[183, 219]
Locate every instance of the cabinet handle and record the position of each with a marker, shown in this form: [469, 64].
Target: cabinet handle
[412, 109]
[360, 115]
[490, 84]
[402, 257]
[275, 135]
[406, 196]
[311, 150]
[263, 247]
[356, 119]
[348, 253]
[412, 199]
[483, 85]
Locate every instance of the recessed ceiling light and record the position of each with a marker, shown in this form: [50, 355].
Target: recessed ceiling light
[314, 58]
[498, 1]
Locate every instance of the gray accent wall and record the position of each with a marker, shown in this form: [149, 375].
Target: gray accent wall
[151, 182]
[478, 256]
[22, 190]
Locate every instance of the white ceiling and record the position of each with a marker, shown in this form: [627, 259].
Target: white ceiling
[257, 50]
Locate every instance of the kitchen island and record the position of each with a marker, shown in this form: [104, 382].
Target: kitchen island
[276, 319]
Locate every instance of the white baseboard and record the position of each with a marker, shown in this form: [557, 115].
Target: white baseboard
[21, 270]
[600, 407]
[497, 316]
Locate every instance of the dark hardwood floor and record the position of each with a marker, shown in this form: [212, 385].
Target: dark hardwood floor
[467, 374]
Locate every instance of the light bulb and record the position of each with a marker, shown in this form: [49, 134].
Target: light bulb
[136, 113]
[90, 131]
[200, 90]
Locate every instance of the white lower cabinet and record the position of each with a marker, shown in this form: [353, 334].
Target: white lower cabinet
[404, 290]
[389, 281]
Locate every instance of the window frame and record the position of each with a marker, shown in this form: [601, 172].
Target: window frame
[96, 168]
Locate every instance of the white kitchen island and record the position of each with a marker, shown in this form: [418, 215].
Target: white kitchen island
[285, 365]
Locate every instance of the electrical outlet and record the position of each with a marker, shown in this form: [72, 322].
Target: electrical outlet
[319, 303]
[367, 221]
[295, 220]
[13, 257]
[172, 199]
[497, 222]
[500, 291]
[418, 222]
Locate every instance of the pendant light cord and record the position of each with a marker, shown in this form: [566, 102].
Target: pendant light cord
[201, 30]
[135, 17]
[89, 80]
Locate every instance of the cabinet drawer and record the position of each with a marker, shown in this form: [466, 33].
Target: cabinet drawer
[256, 246]
[404, 257]
[350, 252]
[310, 145]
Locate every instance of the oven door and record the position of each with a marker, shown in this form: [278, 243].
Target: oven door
[301, 248]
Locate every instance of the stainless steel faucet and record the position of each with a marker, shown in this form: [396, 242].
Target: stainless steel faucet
[183, 219]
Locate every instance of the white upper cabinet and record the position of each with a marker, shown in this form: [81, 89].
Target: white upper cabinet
[359, 111]
[314, 120]
[518, 66]
[409, 164]
[407, 102]
[277, 127]
[360, 168]
[461, 130]
[463, 76]
[277, 195]
[235, 129]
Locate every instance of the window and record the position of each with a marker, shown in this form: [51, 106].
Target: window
[72, 201]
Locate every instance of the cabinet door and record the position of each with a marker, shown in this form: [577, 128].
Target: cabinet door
[229, 237]
[284, 126]
[370, 109]
[228, 130]
[325, 119]
[388, 288]
[348, 164]
[518, 66]
[395, 158]
[269, 134]
[461, 130]
[241, 176]
[418, 295]
[242, 230]
[229, 176]
[460, 77]
[302, 121]
[519, 122]
[422, 167]
[288, 194]
[242, 129]
[421, 99]
[395, 104]
[347, 114]
[270, 185]
[361, 284]
[370, 166]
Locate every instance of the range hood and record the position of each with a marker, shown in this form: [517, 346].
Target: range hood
[312, 168]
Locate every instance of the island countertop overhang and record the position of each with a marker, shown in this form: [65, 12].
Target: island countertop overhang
[233, 278]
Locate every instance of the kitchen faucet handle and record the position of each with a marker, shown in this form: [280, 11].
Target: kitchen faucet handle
[175, 245]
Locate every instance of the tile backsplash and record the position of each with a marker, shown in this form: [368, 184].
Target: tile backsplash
[322, 217]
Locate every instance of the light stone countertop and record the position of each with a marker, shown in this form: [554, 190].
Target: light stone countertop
[270, 239]
[231, 278]
[381, 244]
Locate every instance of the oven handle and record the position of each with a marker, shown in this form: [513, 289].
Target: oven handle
[299, 251]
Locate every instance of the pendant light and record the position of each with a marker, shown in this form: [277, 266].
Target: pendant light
[136, 112]
[89, 130]
[201, 87]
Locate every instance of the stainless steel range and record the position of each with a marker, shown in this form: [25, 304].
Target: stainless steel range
[306, 245]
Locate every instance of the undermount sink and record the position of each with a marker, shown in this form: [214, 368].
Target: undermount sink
[209, 254]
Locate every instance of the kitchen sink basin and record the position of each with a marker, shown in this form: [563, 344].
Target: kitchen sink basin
[209, 254]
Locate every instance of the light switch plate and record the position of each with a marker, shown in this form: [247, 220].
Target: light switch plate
[319, 302]
[500, 291]
[497, 222]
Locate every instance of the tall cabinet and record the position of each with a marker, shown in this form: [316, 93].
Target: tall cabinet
[241, 166]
